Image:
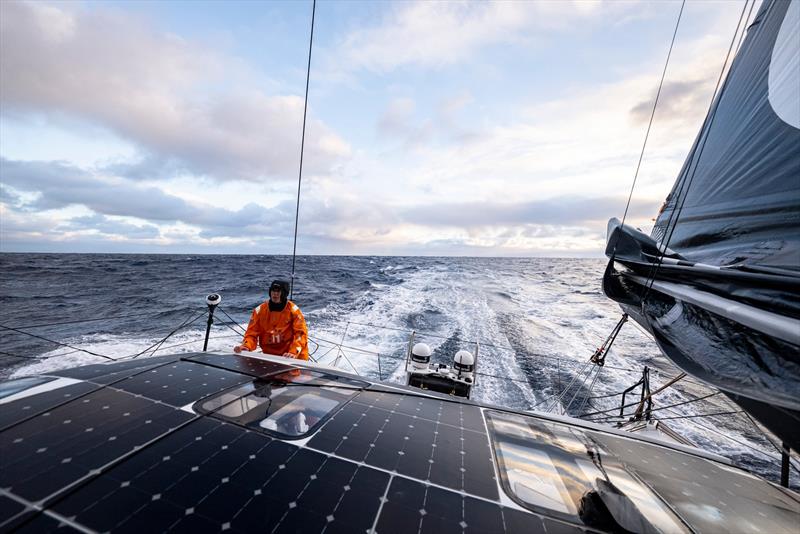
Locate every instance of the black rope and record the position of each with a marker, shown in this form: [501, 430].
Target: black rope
[766, 437]
[232, 320]
[158, 344]
[700, 415]
[653, 410]
[302, 147]
[742, 443]
[698, 149]
[77, 321]
[57, 342]
[652, 114]
[746, 26]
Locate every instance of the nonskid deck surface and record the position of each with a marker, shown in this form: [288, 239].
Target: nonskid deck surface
[134, 446]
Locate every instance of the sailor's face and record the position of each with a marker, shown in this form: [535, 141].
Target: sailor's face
[275, 295]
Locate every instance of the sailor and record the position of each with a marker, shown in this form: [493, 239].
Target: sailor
[277, 325]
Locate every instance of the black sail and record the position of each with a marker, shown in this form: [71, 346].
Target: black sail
[717, 282]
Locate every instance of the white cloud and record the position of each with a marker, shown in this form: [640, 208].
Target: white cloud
[434, 34]
[183, 104]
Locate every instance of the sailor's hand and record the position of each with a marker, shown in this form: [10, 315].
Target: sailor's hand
[289, 355]
[238, 349]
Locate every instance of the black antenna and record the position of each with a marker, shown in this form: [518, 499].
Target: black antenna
[302, 147]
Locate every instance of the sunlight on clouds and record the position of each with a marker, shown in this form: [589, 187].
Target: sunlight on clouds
[432, 34]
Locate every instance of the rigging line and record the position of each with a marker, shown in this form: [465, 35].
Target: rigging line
[552, 406]
[23, 357]
[231, 328]
[578, 389]
[334, 345]
[490, 345]
[698, 149]
[40, 357]
[184, 324]
[654, 409]
[57, 342]
[231, 319]
[302, 147]
[746, 26]
[742, 443]
[765, 436]
[602, 420]
[591, 388]
[652, 114]
[76, 321]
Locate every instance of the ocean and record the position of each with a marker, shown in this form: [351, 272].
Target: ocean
[536, 322]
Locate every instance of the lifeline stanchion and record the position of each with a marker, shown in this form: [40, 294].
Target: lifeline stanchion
[213, 301]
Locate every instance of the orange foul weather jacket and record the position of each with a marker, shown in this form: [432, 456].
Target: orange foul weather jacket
[278, 332]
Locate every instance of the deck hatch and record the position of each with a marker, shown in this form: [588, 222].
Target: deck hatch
[289, 405]
[561, 471]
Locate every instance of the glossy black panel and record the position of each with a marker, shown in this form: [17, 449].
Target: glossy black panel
[240, 364]
[181, 383]
[50, 451]
[18, 410]
[39, 523]
[212, 475]
[415, 507]
[414, 436]
[104, 373]
[9, 509]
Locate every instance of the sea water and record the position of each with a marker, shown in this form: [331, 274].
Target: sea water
[535, 322]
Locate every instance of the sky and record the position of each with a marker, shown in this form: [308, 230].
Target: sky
[434, 128]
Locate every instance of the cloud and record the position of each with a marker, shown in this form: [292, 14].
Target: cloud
[184, 105]
[678, 99]
[60, 185]
[560, 211]
[437, 34]
[105, 225]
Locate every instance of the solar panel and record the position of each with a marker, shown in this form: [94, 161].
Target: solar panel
[104, 373]
[379, 430]
[180, 383]
[18, 410]
[395, 462]
[215, 475]
[240, 364]
[52, 450]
